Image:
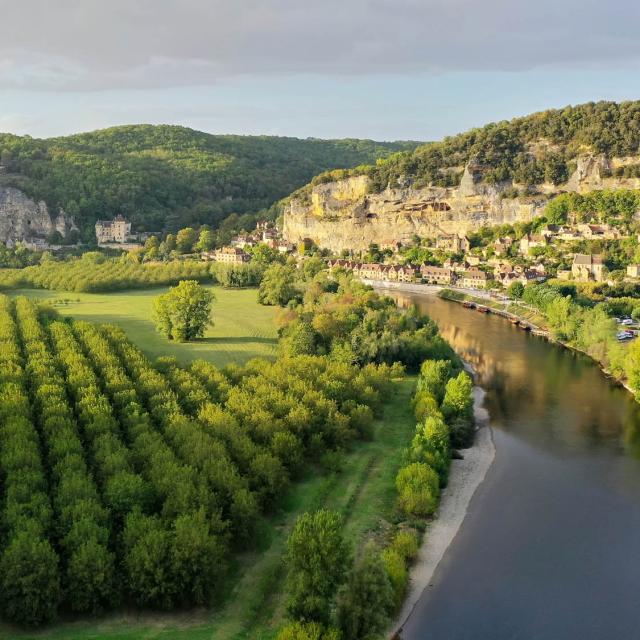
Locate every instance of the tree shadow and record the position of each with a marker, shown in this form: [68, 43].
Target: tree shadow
[235, 340]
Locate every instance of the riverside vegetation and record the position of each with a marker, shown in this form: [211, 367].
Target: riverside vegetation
[332, 595]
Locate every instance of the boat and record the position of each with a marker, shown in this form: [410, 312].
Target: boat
[482, 309]
[468, 305]
[525, 326]
[515, 321]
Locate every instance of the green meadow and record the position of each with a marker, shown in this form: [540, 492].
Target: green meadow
[243, 329]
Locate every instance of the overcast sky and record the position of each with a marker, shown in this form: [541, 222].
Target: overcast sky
[385, 69]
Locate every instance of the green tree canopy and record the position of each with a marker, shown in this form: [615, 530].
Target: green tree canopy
[317, 556]
[184, 312]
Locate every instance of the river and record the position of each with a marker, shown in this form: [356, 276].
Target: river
[550, 546]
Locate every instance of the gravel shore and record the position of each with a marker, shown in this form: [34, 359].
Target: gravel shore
[465, 477]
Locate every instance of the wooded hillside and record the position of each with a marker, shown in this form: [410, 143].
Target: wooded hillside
[168, 177]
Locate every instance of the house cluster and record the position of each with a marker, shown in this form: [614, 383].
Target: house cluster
[264, 234]
[566, 233]
[464, 274]
[235, 253]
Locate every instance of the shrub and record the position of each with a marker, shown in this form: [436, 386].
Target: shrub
[317, 555]
[405, 542]
[307, 631]
[396, 568]
[418, 488]
[457, 408]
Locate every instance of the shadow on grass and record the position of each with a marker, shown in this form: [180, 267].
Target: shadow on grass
[235, 340]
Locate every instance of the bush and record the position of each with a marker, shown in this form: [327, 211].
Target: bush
[457, 408]
[433, 377]
[418, 488]
[307, 631]
[431, 445]
[406, 543]
[396, 568]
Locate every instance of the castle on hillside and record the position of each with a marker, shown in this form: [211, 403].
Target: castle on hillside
[116, 230]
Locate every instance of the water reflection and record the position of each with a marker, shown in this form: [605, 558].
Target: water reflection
[549, 547]
[551, 397]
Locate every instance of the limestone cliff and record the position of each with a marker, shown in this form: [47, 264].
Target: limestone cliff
[21, 218]
[345, 215]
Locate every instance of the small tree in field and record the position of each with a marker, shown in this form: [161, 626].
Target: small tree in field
[184, 312]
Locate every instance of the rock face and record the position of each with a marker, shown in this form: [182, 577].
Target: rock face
[21, 218]
[344, 215]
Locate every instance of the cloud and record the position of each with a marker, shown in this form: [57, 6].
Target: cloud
[95, 44]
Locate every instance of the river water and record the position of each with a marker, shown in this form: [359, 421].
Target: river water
[550, 547]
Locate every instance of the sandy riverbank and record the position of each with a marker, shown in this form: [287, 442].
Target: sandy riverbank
[465, 477]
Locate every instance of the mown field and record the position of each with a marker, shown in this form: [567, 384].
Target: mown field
[243, 329]
[363, 491]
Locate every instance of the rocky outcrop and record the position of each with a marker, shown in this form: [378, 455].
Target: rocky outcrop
[345, 215]
[590, 174]
[21, 218]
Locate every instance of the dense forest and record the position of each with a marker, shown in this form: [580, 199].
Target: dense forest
[530, 150]
[165, 177]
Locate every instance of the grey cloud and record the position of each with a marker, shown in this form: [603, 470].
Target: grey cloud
[100, 44]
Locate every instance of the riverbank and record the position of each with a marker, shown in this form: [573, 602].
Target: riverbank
[465, 477]
[537, 329]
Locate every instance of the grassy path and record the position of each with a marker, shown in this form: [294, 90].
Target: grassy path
[243, 329]
[363, 491]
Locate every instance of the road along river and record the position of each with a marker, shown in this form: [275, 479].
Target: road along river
[550, 546]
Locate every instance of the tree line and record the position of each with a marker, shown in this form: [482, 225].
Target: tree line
[334, 593]
[504, 149]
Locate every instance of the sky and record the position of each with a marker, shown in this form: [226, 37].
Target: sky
[381, 69]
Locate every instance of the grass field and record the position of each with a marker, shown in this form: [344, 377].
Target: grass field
[243, 328]
[363, 491]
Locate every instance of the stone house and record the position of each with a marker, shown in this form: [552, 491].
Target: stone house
[453, 243]
[587, 267]
[633, 271]
[530, 241]
[116, 230]
[408, 273]
[228, 255]
[475, 278]
[436, 275]
[502, 245]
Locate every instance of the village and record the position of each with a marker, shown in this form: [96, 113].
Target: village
[534, 257]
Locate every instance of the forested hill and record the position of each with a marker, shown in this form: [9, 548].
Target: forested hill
[538, 148]
[165, 177]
